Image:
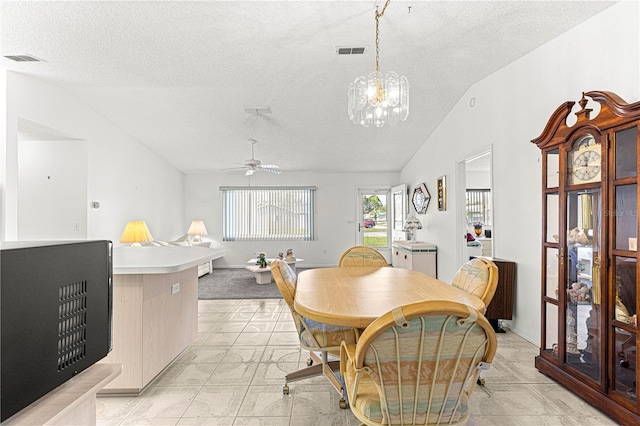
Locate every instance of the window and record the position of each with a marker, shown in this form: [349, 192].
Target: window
[479, 206]
[268, 213]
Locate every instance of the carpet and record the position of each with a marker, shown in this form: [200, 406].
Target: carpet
[230, 283]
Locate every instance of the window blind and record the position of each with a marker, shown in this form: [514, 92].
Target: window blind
[479, 206]
[268, 213]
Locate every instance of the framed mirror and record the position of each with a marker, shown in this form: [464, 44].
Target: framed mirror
[421, 198]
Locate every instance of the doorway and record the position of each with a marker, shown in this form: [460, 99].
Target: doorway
[52, 184]
[373, 229]
[474, 191]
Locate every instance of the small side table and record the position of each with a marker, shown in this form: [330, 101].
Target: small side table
[263, 275]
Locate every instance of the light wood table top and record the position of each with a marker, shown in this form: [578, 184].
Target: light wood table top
[355, 297]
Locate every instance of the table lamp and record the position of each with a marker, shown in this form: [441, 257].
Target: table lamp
[136, 232]
[411, 224]
[197, 229]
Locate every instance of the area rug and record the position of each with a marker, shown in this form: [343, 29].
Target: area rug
[234, 283]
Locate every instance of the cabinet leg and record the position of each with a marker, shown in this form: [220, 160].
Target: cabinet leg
[496, 326]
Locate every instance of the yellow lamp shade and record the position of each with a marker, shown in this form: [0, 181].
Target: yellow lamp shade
[136, 232]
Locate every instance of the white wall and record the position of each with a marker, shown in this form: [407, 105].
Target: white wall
[478, 180]
[3, 150]
[129, 181]
[336, 212]
[512, 107]
[52, 190]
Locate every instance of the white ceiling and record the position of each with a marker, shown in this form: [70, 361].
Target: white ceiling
[176, 74]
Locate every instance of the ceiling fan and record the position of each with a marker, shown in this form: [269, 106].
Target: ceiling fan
[252, 165]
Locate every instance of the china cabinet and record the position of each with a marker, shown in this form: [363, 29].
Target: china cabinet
[589, 251]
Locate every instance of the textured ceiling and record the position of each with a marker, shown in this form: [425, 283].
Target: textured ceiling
[176, 75]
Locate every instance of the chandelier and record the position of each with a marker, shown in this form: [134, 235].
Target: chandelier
[377, 100]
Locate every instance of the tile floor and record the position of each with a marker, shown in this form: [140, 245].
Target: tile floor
[233, 373]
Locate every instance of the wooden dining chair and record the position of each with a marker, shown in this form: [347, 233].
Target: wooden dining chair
[362, 256]
[418, 364]
[314, 336]
[478, 276]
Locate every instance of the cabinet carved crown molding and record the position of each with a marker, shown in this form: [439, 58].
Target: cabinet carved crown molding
[614, 111]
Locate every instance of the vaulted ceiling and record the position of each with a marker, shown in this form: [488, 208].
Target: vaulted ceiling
[177, 75]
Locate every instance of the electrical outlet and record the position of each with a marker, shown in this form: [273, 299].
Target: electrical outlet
[175, 288]
[324, 251]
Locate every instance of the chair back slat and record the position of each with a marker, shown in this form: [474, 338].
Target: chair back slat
[478, 276]
[362, 256]
[286, 280]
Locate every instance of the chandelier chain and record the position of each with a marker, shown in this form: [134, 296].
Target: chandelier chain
[380, 93]
[378, 15]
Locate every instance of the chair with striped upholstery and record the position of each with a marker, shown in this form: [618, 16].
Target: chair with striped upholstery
[362, 256]
[418, 364]
[478, 276]
[314, 336]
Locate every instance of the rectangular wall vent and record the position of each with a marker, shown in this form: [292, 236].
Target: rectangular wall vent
[342, 50]
[252, 109]
[23, 58]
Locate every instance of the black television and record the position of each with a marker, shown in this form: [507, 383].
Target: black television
[55, 315]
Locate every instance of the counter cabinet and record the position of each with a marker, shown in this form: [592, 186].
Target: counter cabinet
[155, 314]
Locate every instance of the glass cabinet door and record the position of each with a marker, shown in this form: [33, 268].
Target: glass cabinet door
[625, 334]
[552, 254]
[625, 262]
[582, 286]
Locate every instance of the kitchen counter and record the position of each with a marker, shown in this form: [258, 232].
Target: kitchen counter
[155, 310]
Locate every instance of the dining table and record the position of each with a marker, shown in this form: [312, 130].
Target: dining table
[355, 296]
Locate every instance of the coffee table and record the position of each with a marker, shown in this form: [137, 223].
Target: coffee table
[263, 275]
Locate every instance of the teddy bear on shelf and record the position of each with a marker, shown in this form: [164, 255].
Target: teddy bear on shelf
[579, 292]
[574, 293]
[262, 261]
[577, 236]
[584, 294]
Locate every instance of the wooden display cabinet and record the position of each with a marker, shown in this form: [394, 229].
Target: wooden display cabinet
[589, 252]
[501, 306]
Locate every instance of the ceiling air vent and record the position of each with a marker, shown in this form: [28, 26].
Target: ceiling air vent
[23, 58]
[252, 109]
[341, 50]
